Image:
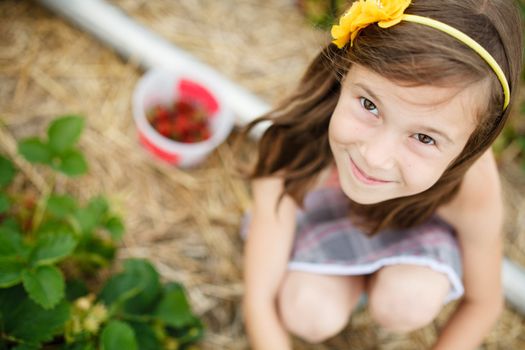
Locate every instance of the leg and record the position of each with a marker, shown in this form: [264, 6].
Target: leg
[403, 298]
[315, 307]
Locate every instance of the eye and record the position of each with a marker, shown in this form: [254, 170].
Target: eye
[368, 105]
[425, 139]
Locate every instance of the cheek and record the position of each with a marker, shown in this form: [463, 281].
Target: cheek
[344, 129]
[420, 176]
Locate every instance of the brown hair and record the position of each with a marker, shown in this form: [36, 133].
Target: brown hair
[296, 145]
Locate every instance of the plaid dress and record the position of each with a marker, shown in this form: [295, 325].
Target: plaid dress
[326, 242]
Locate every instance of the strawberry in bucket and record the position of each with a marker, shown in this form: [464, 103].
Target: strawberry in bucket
[185, 121]
[180, 119]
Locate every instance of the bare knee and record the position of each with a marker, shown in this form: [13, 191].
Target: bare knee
[311, 317]
[313, 313]
[403, 305]
[400, 314]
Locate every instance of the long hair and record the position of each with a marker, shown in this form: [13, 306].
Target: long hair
[296, 147]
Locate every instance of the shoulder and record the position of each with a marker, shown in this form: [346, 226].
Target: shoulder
[267, 189]
[478, 205]
[268, 198]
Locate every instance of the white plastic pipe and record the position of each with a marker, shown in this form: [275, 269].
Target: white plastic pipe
[130, 39]
[514, 284]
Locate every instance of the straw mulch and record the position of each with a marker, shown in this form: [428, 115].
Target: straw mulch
[185, 221]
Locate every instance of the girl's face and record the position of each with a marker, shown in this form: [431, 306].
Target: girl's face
[393, 141]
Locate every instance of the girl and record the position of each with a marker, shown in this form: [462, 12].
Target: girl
[376, 176]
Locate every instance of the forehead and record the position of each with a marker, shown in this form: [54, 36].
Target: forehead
[454, 107]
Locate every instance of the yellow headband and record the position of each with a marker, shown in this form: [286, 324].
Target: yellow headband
[387, 13]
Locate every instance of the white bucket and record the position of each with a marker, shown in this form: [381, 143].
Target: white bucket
[164, 87]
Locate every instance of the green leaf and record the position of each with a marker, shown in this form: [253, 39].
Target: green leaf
[88, 264]
[189, 334]
[115, 227]
[118, 335]
[7, 171]
[72, 163]
[28, 321]
[53, 247]
[101, 247]
[138, 286]
[13, 255]
[92, 215]
[87, 220]
[10, 272]
[119, 288]
[35, 151]
[5, 203]
[45, 285]
[78, 345]
[92, 253]
[11, 224]
[52, 226]
[99, 206]
[61, 205]
[27, 347]
[75, 289]
[146, 337]
[149, 283]
[174, 308]
[11, 244]
[64, 132]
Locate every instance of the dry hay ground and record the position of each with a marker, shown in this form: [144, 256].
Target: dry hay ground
[186, 222]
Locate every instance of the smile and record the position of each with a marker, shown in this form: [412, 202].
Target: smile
[363, 177]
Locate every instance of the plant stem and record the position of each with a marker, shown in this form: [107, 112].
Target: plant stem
[9, 145]
[41, 206]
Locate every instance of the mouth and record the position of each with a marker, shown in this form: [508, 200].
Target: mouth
[363, 177]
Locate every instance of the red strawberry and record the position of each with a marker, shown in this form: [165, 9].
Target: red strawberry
[163, 126]
[184, 107]
[185, 122]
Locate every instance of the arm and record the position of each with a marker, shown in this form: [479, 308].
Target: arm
[477, 215]
[267, 250]
[483, 300]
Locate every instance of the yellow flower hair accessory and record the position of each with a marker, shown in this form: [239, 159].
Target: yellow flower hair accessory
[387, 13]
[362, 13]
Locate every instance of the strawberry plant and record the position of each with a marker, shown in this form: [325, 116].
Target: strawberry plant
[58, 150]
[52, 248]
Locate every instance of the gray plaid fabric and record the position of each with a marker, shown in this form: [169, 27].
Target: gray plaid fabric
[326, 242]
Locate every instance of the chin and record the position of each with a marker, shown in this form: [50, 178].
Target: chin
[366, 198]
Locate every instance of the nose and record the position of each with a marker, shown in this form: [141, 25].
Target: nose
[380, 150]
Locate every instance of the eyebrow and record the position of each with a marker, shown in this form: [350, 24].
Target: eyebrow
[369, 92]
[428, 129]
